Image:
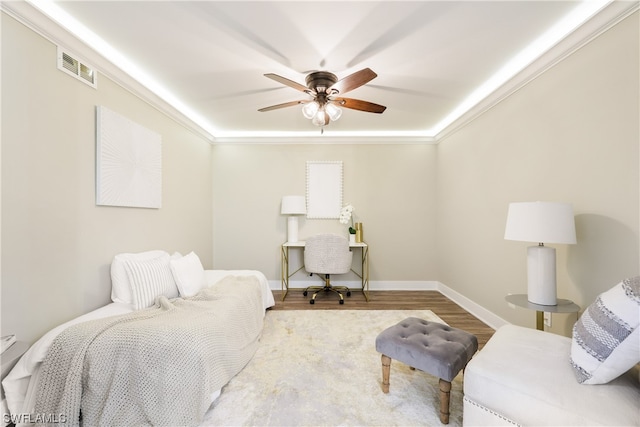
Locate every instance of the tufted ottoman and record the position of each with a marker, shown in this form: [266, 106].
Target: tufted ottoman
[432, 347]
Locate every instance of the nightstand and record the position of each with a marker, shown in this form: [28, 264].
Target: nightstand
[562, 306]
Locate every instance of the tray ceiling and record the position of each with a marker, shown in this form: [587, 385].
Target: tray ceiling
[438, 62]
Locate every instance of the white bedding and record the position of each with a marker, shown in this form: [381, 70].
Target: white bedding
[19, 385]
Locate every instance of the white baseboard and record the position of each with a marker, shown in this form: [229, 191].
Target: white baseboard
[486, 316]
[416, 285]
[408, 285]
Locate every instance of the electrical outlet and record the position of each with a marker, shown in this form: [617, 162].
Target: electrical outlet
[547, 318]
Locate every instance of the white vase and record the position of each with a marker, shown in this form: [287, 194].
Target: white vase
[352, 239]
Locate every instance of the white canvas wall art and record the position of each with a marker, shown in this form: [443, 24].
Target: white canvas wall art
[128, 162]
[324, 189]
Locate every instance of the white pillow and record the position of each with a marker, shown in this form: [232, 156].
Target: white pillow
[188, 274]
[120, 286]
[149, 279]
[606, 338]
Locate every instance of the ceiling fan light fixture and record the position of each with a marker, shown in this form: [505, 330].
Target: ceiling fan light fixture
[322, 86]
[310, 109]
[333, 111]
[320, 118]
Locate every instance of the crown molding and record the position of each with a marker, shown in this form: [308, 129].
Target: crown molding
[40, 23]
[605, 19]
[37, 21]
[325, 139]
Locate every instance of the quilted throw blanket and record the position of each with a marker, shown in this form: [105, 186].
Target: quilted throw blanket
[156, 366]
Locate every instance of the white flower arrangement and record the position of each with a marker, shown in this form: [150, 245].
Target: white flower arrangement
[346, 214]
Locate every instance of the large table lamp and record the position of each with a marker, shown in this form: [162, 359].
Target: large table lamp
[293, 206]
[542, 222]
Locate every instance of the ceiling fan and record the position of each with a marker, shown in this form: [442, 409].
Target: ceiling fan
[326, 95]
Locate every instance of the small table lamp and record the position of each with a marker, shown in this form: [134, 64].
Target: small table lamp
[543, 222]
[293, 206]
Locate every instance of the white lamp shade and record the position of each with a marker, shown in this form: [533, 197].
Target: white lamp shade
[310, 109]
[293, 205]
[333, 112]
[320, 118]
[541, 222]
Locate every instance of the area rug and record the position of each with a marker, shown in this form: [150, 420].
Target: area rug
[321, 368]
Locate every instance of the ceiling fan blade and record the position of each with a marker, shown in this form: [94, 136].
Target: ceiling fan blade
[353, 81]
[285, 81]
[356, 104]
[284, 105]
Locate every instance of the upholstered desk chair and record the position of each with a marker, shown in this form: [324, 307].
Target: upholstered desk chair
[327, 254]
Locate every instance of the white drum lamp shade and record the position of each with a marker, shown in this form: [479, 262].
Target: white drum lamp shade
[293, 206]
[541, 222]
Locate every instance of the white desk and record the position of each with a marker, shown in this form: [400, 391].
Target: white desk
[363, 274]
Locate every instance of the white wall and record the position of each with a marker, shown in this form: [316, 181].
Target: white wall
[571, 135]
[437, 213]
[429, 212]
[391, 186]
[57, 245]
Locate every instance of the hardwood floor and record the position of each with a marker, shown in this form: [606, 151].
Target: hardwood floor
[447, 310]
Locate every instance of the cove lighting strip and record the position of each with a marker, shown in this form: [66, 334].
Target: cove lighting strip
[94, 41]
[579, 15]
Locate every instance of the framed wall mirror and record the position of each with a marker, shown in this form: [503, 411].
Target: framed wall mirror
[324, 189]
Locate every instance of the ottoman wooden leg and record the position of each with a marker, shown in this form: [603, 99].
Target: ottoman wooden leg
[445, 392]
[386, 370]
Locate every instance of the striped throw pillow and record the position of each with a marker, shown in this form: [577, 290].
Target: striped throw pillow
[120, 285]
[149, 279]
[606, 338]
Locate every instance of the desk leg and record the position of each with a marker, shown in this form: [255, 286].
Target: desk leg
[540, 320]
[284, 269]
[365, 273]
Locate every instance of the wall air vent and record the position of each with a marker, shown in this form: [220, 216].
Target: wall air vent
[72, 66]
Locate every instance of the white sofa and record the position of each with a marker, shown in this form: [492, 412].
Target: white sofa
[523, 376]
[529, 377]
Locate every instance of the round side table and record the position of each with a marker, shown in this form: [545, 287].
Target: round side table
[562, 306]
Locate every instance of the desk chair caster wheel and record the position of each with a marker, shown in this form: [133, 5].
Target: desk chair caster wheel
[349, 293]
[341, 301]
[304, 293]
[312, 301]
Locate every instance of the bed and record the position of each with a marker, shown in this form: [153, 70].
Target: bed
[142, 283]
